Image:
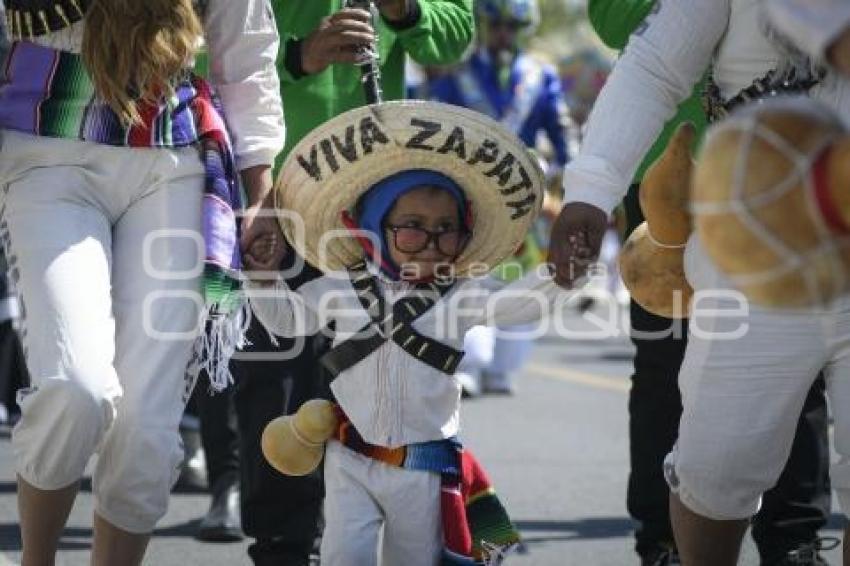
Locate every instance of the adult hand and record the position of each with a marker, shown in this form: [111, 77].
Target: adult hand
[340, 38]
[575, 241]
[263, 245]
[393, 10]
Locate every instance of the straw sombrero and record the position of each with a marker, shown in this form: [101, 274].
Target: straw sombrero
[329, 169]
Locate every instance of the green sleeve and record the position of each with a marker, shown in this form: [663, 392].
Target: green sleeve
[443, 33]
[615, 20]
[690, 110]
[202, 64]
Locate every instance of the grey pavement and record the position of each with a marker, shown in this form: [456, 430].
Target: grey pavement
[557, 453]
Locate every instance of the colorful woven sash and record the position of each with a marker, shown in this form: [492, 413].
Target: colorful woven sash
[476, 527]
[47, 92]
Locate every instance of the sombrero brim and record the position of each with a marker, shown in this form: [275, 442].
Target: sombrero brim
[330, 168]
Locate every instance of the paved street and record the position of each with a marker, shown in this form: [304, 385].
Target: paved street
[557, 452]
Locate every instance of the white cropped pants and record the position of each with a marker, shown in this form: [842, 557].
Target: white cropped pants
[103, 243]
[744, 379]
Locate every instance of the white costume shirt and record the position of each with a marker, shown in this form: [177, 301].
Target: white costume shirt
[392, 398]
[811, 24]
[663, 60]
[242, 42]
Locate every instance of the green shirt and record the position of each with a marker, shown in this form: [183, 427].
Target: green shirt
[614, 21]
[440, 36]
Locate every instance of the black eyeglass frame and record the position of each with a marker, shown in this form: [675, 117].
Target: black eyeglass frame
[463, 240]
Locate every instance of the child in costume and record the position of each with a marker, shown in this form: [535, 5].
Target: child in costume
[119, 188]
[401, 203]
[500, 79]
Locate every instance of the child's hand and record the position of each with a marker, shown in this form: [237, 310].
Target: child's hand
[264, 248]
[262, 251]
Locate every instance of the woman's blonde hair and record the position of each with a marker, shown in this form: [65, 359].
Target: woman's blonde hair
[134, 49]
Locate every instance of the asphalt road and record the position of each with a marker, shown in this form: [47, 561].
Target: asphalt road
[557, 452]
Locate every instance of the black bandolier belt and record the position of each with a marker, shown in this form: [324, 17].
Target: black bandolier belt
[771, 84]
[32, 18]
[395, 324]
[27, 19]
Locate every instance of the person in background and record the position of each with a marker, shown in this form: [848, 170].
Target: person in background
[655, 405]
[9, 348]
[583, 75]
[504, 82]
[13, 373]
[319, 80]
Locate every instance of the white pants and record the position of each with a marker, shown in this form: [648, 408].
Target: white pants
[742, 398]
[365, 498]
[496, 353]
[95, 290]
[512, 348]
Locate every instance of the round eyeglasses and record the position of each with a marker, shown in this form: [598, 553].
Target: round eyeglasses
[412, 239]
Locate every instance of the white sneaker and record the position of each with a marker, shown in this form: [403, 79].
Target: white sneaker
[499, 383]
[469, 383]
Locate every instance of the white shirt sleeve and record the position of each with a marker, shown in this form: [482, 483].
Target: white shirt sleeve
[664, 58]
[812, 25]
[243, 43]
[489, 301]
[283, 311]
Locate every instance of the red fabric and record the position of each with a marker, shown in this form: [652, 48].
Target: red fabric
[831, 214]
[474, 477]
[351, 224]
[140, 135]
[456, 535]
[454, 497]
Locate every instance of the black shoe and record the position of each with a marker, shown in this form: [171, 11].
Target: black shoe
[808, 554]
[193, 470]
[279, 552]
[661, 556]
[222, 522]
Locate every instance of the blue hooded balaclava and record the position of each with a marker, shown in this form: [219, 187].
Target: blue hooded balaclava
[376, 203]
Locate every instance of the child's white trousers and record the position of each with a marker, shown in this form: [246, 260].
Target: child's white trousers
[365, 498]
[103, 243]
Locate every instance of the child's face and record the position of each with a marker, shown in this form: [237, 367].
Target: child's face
[423, 232]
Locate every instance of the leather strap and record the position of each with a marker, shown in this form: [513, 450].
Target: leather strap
[396, 326]
[32, 18]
